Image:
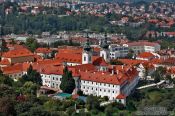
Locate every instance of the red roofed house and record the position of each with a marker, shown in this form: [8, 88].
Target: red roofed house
[18, 56]
[14, 72]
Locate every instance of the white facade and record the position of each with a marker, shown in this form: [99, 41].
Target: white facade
[104, 53]
[86, 57]
[16, 76]
[109, 90]
[100, 89]
[118, 51]
[54, 80]
[145, 48]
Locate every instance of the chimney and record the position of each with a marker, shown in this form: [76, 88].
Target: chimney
[122, 66]
[112, 71]
[117, 72]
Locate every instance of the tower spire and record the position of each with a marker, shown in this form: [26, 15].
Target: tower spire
[87, 46]
[87, 54]
[104, 43]
[105, 53]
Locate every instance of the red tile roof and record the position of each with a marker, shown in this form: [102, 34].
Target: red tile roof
[4, 62]
[12, 69]
[72, 50]
[131, 61]
[142, 43]
[99, 61]
[121, 96]
[43, 50]
[17, 53]
[146, 55]
[107, 77]
[69, 57]
[171, 70]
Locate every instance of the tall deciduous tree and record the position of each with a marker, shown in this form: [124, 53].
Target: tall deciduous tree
[67, 83]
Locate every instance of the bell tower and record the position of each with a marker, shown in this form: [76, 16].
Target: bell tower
[87, 53]
[105, 49]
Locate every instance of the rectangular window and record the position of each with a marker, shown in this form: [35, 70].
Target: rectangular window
[84, 58]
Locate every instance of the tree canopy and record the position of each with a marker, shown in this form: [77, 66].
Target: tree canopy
[67, 83]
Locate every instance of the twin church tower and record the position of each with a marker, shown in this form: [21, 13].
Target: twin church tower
[87, 51]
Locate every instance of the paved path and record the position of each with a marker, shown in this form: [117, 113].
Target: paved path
[151, 85]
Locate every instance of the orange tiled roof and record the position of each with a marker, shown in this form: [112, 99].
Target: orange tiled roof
[43, 50]
[107, 77]
[99, 61]
[5, 62]
[143, 43]
[171, 70]
[69, 57]
[121, 96]
[12, 69]
[17, 53]
[75, 50]
[145, 55]
[131, 61]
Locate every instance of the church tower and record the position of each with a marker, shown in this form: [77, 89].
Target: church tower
[104, 49]
[87, 53]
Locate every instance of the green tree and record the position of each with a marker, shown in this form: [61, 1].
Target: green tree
[156, 79]
[92, 103]
[6, 80]
[130, 54]
[7, 107]
[29, 87]
[67, 83]
[32, 75]
[32, 44]
[4, 46]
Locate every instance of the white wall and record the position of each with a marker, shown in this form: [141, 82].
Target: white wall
[86, 58]
[100, 89]
[105, 54]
